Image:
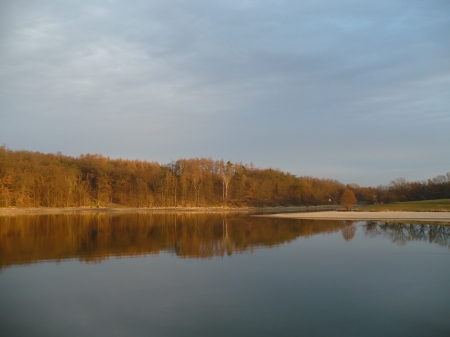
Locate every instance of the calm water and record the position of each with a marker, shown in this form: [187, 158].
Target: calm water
[221, 275]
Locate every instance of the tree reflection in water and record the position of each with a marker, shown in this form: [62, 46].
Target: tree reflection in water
[94, 237]
[349, 232]
[402, 233]
[27, 239]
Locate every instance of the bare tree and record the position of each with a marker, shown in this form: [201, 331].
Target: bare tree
[227, 173]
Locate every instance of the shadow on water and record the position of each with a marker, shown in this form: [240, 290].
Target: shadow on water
[26, 239]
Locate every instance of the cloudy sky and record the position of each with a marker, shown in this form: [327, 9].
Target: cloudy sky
[357, 91]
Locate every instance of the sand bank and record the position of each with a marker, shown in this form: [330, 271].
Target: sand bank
[382, 216]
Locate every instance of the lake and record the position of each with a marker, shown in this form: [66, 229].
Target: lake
[221, 275]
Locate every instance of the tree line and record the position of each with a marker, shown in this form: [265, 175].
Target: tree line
[33, 179]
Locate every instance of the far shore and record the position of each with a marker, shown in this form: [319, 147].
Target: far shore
[368, 216]
[224, 209]
[324, 212]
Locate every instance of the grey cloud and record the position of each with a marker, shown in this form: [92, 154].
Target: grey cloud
[257, 81]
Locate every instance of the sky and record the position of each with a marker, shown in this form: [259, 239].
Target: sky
[357, 91]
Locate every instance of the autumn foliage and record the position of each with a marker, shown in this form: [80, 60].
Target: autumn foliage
[33, 179]
[348, 199]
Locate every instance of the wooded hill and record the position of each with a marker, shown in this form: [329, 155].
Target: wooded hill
[33, 179]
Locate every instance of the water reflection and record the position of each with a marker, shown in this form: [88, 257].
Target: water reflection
[26, 239]
[93, 238]
[348, 232]
[402, 233]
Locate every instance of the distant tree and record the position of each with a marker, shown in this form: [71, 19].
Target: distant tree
[226, 174]
[399, 189]
[348, 199]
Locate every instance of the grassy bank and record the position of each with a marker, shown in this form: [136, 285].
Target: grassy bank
[410, 206]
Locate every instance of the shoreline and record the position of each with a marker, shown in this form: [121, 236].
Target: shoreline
[324, 212]
[368, 216]
[118, 210]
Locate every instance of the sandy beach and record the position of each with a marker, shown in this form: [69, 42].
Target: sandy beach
[288, 212]
[383, 216]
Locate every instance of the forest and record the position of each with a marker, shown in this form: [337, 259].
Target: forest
[33, 179]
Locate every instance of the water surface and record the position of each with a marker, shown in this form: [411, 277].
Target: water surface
[221, 275]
